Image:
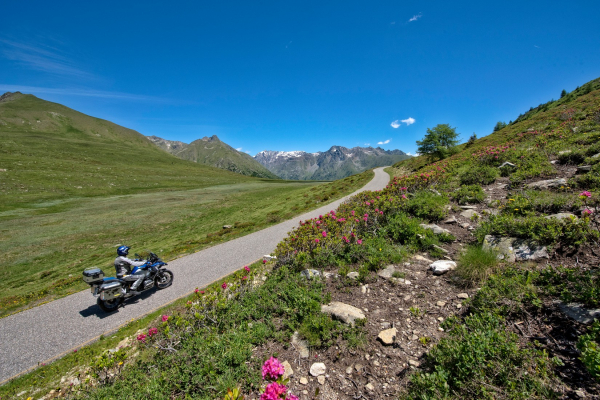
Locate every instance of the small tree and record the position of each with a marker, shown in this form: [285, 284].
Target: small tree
[439, 141]
[472, 140]
[563, 93]
[499, 125]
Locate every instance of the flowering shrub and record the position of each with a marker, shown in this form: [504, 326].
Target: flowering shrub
[272, 371]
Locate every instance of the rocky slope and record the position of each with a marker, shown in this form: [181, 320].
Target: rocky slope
[213, 152]
[336, 163]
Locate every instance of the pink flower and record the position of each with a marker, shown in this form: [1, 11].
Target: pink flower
[196, 291]
[365, 219]
[324, 234]
[359, 241]
[244, 278]
[352, 213]
[316, 240]
[291, 397]
[264, 261]
[380, 212]
[202, 292]
[142, 338]
[404, 196]
[377, 210]
[247, 268]
[165, 318]
[224, 285]
[152, 331]
[585, 193]
[587, 211]
[367, 203]
[272, 369]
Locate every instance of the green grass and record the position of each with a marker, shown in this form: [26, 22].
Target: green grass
[475, 265]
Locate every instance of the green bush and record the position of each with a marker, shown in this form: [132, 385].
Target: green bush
[529, 202]
[589, 345]
[481, 360]
[469, 194]
[571, 284]
[478, 174]
[476, 265]
[428, 205]
[373, 254]
[546, 231]
[591, 180]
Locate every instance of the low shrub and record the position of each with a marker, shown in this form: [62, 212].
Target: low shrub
[546, 231]
[479, 174]
[469, 194]
[589, 345]
[571, 284]
[529, 202]
[428, 205]
[479, 359]
[476, 265]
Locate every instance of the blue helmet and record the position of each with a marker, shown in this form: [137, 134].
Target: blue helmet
[123, 250]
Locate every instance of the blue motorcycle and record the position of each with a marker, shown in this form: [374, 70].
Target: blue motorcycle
[111, 292]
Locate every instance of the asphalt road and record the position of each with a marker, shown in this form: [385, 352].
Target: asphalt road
[44, 333]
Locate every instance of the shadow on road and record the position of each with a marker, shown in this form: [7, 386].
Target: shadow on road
[94, 310]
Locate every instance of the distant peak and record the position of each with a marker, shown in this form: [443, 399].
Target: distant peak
[213, 138]
[9, 96]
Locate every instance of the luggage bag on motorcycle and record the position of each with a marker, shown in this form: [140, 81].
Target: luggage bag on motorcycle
[91, 275]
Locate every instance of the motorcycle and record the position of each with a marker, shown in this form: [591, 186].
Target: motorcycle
[111, 292]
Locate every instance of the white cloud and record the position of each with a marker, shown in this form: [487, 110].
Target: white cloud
[367, 144]
[408, 121]
[385, 142]
[81, 92]
[239, 149]
[415, 17]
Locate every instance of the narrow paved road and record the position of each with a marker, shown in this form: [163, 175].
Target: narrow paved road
[48, 331]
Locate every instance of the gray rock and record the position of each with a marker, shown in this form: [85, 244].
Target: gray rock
[353, 275]
[343, 312]
[579, 313]
[440, 303]
[300, 345]
[562, 216]
[388, 336]
[443, 250]
[462, 296]
[564, 152]
[468, 207]
[450, 220]
[507, 164]
[349, 370]
[318, 369]
[464, 225]
[442, 266]
[513, 249]
[288, 371]
[310, 273]
[414, 363]
[385, 325]
[303, 381]
[387, 272]
[422, 259]
[596, 155]
[227, 226]
[321, 379]
[436, 229]
[469, 214]
[369, 386]
[547, 184]
[584, 168]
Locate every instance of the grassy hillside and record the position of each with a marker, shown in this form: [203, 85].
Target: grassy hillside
[50, 152]
[213, 152]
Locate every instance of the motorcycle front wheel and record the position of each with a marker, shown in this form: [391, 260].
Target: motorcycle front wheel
[109, 305]
[164, 279]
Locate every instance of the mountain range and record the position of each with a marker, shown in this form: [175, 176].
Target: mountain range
[336, 163]
[213, 152]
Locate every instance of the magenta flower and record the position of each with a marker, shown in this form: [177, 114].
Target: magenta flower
[367, 203]
[365, 218]
[224, 285]
[404, 196]
[196, 291]
[291, 397]
[324, 234]
[142, 338]
[585, 193]
[352, 213]
[316, 240]
[274, 391]
[380, 212]
[272, 369]
[587, 211]
[244, 278]
[165, 318]
[247, 268]
[152, 331]
[359, 241]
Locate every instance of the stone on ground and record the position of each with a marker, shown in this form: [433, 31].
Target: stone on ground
[436, 229]
[388, 336]
[579, 313]
[343, 312]
[549, 183]
[469, 214]
[310, 273]
[513, 249]
[318, 369]
[300, 345]
[562, 216]
[442, 266]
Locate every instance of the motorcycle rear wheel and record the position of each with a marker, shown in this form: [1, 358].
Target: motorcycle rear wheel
[164, 279]
[109, 305]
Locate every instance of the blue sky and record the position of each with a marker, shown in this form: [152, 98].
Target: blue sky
[299, 75]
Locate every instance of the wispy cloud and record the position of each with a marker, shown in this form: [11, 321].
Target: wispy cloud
[42, 58]
[385, 141]
[397, 123]
[82, 92]
[415, 17]
[367, 144]
[239, 149]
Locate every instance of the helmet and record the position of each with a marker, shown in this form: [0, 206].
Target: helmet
[123, 250]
